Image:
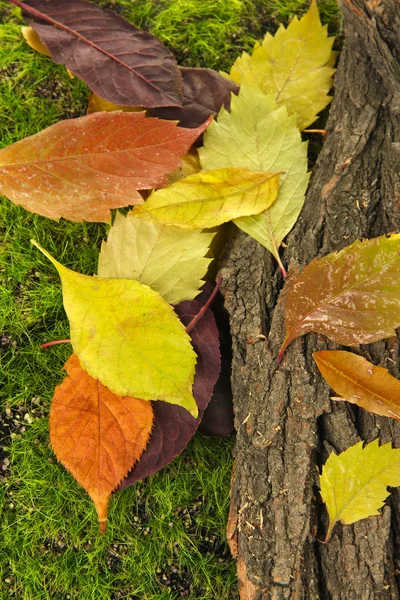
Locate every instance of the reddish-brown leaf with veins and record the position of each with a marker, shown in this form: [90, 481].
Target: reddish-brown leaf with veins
[97, 435]
[118, 61]
[360, 382]
[351, 296]
[81, 168]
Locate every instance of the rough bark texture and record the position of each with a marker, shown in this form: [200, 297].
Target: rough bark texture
[286, 424]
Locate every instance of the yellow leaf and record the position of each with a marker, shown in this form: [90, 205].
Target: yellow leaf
[97, 104]
[295, 65]
[33, 40]
[127, 336]
[210, 198]
[258, 135]
[170, 260]
[353, 484]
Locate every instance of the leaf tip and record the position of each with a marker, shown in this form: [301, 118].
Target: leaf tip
[102, 525]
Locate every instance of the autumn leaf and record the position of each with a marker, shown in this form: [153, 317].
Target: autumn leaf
[360, 382]
[354, 483]
[351, 296]
[34, 41]
[174, 426]
[295, 66]
[126, 336]
[97, 104]
[80, 168]
[190, 164]
[210, 198]
[204, 91]
[118, 61]
[97, 435]
[170, 260]
[258, 135]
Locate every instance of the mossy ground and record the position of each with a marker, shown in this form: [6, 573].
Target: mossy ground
[165, 537]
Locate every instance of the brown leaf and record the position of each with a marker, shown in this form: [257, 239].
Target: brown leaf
[360, 382]
[351, 296]
[97, 435]
[116, 60]
[80, 168]
[204, 93]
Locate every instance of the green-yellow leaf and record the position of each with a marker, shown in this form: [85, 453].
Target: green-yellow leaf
[295, 65]
[209, 198]
[353, 483]
[170, 260]
[127, 336]
[258, 135]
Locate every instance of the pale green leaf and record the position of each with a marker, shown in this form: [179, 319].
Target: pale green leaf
[209, 198]
[170, 260]
[258, 135]
[295, 66]
[353, 483]
[127, 336]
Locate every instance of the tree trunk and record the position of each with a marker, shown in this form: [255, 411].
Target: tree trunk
[286, 424]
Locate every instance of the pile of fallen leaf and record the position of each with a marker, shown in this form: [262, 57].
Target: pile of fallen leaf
[146, 353]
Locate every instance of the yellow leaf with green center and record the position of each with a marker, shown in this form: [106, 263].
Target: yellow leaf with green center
[295, 65]
[258, 135]
[127, 336]
[170, 260]
[209, 198]
[353, 483]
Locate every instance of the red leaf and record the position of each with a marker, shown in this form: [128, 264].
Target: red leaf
[118, 61]
[204, 93]
[96, 434]
[173, 425]
[80, 168]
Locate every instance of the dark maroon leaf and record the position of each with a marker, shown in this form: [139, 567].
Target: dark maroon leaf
[173, 425]
[118, 61]
[204, 92]
[218, 416]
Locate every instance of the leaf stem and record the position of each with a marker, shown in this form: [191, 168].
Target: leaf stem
[204, 309]
[54, 343]
[276, 253]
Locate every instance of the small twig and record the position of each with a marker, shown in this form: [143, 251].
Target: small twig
[204, 309]
[54, 343]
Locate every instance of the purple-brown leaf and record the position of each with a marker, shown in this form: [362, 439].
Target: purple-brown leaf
[173, 425]
[204, 93]
[80, 168]
[118, 61]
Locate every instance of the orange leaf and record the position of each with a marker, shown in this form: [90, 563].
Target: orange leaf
[81, 168]
[97, 435]
[360, 382]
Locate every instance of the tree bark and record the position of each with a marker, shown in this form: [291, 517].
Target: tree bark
[286, 424]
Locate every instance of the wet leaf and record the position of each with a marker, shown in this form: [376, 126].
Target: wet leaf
[295, 66]
[97, 104]
[97, 435]
[118, 61]
[80, 168]
[126, 336]
[258, 135]
[360, 382]
[354, 483]
[170, 260]
[204, 91]
[351, 296]
[174, 426]
[210, 198]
